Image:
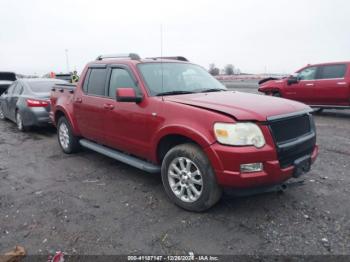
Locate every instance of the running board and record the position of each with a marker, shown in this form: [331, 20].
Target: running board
[117, 155]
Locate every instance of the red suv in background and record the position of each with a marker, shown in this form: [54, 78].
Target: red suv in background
[321, 85]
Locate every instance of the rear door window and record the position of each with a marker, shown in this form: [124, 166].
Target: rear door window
[120, 78]
[332, 71]
[97, 81]
[86, 81]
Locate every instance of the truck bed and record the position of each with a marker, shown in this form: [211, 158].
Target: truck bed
[67, 86]
[61, 94]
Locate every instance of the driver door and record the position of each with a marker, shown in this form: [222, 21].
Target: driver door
[304, 89]
[129, 126]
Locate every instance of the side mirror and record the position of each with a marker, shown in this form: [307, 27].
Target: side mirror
[293, 79]
[127, 94]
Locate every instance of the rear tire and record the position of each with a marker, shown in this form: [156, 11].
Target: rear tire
[189, 179]
[66, 139]
[19, 122]
[2, 115]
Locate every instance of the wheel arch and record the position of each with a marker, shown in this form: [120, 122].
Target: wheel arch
[61, 112]
[270, 90]
[168, 139]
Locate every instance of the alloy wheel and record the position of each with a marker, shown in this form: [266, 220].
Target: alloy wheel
[185, 179]
[2, 116]
[63, 134]
[19, 121]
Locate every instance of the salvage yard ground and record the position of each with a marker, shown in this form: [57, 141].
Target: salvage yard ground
[89, 204]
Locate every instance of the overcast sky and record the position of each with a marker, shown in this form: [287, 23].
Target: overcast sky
[272, 35]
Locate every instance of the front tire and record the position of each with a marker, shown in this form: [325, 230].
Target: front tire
[189, 179]
[318, 110]
[67, 140]
[276, 94]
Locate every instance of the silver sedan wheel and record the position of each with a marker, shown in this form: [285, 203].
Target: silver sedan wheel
[2, 116]
[63, 134]
[185, 179]
[19, 121]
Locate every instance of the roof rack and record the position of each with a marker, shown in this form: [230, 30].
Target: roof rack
[132, 56]
[180, 58]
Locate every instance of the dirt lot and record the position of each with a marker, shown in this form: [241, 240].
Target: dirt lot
[89, 204]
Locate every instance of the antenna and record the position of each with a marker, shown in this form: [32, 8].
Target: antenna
[67, 60]
[161, 55]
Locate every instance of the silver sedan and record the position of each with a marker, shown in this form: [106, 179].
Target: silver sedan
[27, 102]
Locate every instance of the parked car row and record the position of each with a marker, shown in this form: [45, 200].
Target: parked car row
[169, 116]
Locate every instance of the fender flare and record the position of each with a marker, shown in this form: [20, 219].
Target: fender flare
[184, 131]
[71, 120]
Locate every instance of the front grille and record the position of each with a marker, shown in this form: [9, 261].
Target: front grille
[290, 128]
[294, 137]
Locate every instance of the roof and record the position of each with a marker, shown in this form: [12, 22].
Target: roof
[330, 63]
[141, 61]
[134, 59]
[29, 80]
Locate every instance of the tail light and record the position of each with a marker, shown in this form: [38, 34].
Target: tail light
[37, 103]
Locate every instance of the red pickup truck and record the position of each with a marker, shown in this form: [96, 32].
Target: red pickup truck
[169, 116]
[320, 86]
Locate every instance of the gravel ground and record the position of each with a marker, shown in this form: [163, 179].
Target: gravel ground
[89, 204]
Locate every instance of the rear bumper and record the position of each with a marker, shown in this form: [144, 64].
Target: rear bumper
[226, 162]
[36, 116]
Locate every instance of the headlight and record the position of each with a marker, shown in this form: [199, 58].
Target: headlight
[239, 134]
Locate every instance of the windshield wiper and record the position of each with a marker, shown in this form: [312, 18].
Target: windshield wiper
[211, 90]
[179, 92]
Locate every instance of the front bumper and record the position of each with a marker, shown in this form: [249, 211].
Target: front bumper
[226, 162]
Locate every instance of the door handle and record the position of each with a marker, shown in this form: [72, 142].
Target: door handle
[341, 83]
[310, 84]
[78, 100]
[108, 106]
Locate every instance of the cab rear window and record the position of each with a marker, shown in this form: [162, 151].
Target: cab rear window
[96, 82]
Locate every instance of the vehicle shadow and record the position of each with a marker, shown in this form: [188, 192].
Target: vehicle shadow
[34, 133]
[334, 113]
[253, 205]
[230, 203]
[47, 131]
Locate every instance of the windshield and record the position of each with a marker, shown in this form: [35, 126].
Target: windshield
[177, 78]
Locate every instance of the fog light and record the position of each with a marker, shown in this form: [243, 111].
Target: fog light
[253, 167]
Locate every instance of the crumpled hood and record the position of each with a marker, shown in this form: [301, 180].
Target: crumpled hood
[274, 83]
[242, 106]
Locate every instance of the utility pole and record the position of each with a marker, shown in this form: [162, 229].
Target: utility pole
[67, 60]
